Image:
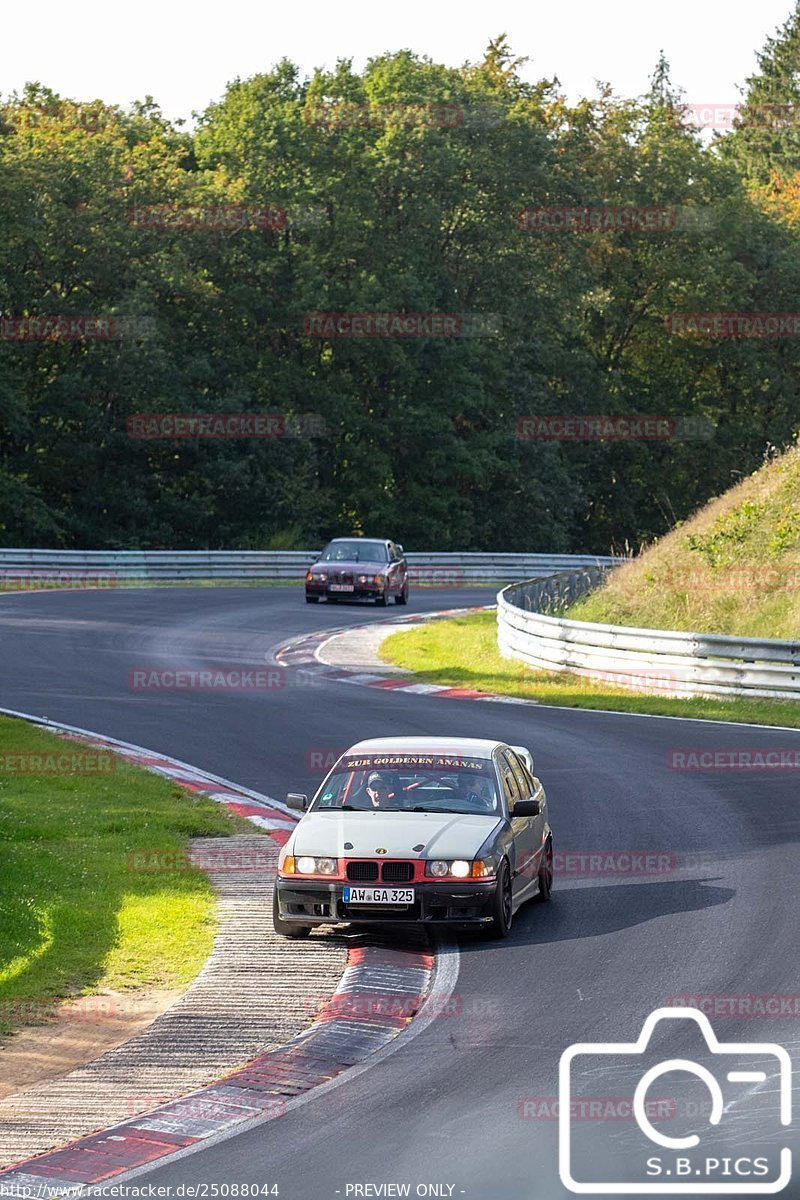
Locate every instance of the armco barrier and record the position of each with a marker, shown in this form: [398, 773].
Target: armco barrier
[655, 660]
[175, 565]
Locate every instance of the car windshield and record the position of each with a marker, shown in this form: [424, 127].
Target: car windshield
[355, 551]
[411, 783]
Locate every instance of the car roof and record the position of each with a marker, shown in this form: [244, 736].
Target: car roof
[474, 747]
[358, 539]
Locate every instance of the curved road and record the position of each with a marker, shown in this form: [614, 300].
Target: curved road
[449, 1108]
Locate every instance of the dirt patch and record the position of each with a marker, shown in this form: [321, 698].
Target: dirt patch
[79, 1032]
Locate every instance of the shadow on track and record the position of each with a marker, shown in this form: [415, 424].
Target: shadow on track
[589, 912]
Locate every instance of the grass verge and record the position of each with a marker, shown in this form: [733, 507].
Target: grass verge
[462, 652]
[733, 568]
[76, 918]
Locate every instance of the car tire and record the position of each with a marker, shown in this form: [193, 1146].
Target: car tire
[502, 905]
[383, 599]
[545, 892]
[312, 599]
[286, 928]
[402, 597]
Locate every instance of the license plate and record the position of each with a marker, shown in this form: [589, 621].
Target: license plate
[341, 587]
[355, 895]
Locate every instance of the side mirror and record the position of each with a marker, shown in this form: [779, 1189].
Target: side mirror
[297, 800]
[527, 808]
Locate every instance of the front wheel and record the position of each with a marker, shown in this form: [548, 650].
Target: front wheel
[286, 928]
[546, 874]
[312, 599]
[383, 599]
[502, 905]
[402, 597]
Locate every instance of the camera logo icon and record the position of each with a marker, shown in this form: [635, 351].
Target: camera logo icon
[652, 1160]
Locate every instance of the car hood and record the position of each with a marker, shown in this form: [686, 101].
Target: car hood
[358, 568]
[442, 835]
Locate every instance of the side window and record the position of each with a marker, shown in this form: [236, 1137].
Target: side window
[524, 781]
[395, 557]
[510, 786]
[530, 780]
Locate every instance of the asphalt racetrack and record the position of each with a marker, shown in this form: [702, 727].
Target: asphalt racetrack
[467, 1107]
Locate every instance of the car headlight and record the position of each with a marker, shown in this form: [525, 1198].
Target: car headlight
[378, 579]
[363, 578]
[306, 865]
[459, 868]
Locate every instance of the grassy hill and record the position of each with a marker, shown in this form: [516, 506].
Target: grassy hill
[734, 567]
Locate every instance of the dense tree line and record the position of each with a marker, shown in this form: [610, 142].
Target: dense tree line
[397, 190]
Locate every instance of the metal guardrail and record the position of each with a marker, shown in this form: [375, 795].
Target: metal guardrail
[665, 661]
[83, 567]
[668, 662]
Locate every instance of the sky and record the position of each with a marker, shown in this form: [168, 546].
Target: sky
[183, 54]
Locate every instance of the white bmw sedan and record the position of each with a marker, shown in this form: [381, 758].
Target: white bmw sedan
[421, 831]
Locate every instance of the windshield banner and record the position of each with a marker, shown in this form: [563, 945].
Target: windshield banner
[431, 762]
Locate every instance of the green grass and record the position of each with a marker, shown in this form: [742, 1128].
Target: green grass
[733, 568]
[462, 652]
[75, 917]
